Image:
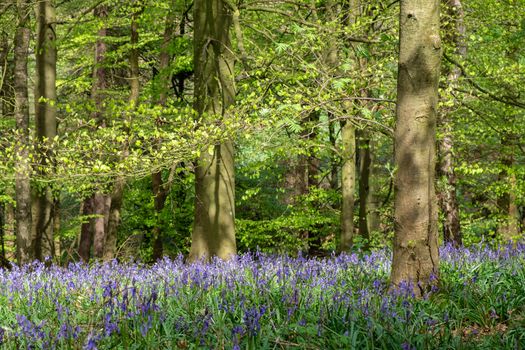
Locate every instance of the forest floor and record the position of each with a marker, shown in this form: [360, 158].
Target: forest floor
[258, 301]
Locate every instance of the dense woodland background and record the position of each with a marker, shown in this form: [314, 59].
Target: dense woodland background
[109, 108]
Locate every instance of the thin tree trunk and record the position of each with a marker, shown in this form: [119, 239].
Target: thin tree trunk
[365, 164]
[161, 194]
[454, 33]
[98, 96]
[160, 191]
[369, 201]
[313, 164]
[6, 79]
[416, 258]
[56, 229]
[348, 183]
[373, 202]
[24, 253]
[99, 227]
[110, 250]
[348, 153]
[4, 65]
[2, 230]
[86, 230]
[507, 206]
[334, 159]
[120, 183]
[214, 225]
[46, 123]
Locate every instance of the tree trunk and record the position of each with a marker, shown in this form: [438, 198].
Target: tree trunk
[334, 159]
[313, 164]
[214, 225]
[6, 79]
[56, 229]
[454, 33]
[507, 206]
[99, 227]
[2, 230]
[24, 253]
[110, 250]
[98, 96]
[348, 172]
[365, 164]
[4, 52]
[416, 258]
[46, 124]
[160, 191]
[120, 183]
[86, 230]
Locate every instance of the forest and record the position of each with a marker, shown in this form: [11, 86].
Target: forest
[262, 174]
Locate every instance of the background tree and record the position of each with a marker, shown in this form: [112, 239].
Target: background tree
[46, 125]
[24, 253]
[454, 34]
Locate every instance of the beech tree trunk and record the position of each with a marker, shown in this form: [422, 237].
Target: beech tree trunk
[120, 183]
[98, 96]
[348, 186]
[24, 253]
[161, 193]
[160, 190]
[86, 230]
[46, 124]
[95, 205]
[214, 224]
[365, 165]
[454, 30]
[416, 258]
[369, 201]
[6, 79]
[313, 164]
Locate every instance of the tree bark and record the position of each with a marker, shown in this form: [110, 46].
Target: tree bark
[508, 209]
[348, 185]
[334, 159]
[4, 65]
[454, 30]
[2, 230]
[214, 224]
[46, 124]
[24, 253]
[160, 191]
[365, 164]
[98, 96]
[415, 258]
[86, 230]
[6, 79]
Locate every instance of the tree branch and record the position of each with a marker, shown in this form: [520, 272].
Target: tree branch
[503, 99]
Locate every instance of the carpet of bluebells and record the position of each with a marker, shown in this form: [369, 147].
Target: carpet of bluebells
[259, 301]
